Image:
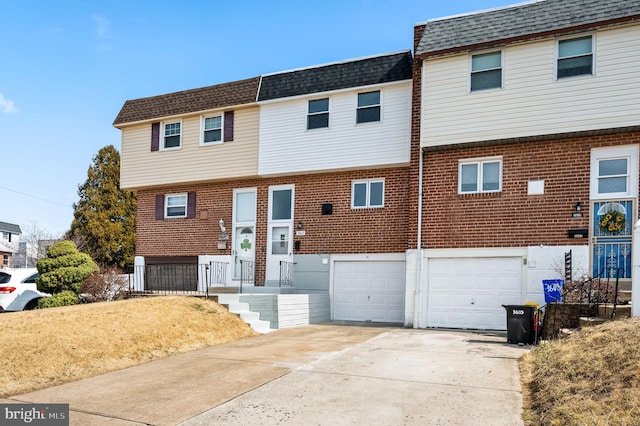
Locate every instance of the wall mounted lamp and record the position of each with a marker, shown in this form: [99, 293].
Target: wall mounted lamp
[578, 206]
[222, 228]
[300, 226]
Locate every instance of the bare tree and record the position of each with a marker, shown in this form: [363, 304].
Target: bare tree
[34, 242]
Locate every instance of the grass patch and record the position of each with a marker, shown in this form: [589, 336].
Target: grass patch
[49, 347]
[590, 378]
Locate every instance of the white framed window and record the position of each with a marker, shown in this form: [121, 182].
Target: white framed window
[6, 236]
[486, 71]
[5, 260]
[318, 114]
[367, 194]
[211, 130]
[574, 56]
[480, 175]
[175, 205]
[171, 135]
[614, 172]
[368, 107]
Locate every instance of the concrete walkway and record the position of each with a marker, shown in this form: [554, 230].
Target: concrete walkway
[318, 374]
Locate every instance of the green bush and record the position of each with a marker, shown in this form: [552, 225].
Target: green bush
[64, 298]
[64, 268]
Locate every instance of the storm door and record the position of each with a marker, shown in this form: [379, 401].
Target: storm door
[244, 226]
[279, 229]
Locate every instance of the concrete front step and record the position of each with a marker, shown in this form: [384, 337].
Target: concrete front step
[621, 311]
[233, 304]
[218, 290]
[592, 321]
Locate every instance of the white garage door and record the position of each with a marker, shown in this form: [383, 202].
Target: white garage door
[369, 291]
[470, 292]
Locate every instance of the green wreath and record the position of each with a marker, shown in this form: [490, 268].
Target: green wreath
[613, 221]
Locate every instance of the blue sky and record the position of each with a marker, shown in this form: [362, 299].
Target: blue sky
[68, 66]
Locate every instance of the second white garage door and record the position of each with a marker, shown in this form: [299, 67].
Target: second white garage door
[470, 292]
[369, 291]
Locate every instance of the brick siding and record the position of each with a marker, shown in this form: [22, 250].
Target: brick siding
[377, 230]
[512, 218]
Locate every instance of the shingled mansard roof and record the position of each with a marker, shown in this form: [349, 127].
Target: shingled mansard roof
[522, 21]
[339, 75]
[10, 227]
[194, 100]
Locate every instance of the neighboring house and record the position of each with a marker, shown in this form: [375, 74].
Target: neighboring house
[525, 143]
[9, 243]
[306, 168]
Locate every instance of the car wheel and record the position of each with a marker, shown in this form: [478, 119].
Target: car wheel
[33, 304]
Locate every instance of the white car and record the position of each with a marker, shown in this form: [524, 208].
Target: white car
[18, 290]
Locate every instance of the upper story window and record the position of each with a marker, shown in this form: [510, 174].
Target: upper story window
[175, 205]
[575, 56]
[211, 129]
[368, 107]
[486, 71]
[367, 194]
[480, 175]
[318, 116]
[171, 135]
[6, 236]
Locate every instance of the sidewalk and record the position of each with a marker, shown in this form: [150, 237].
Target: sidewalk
[319, 374]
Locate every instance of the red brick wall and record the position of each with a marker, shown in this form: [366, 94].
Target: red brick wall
[412, 234]
[379, 230]
[512, 218]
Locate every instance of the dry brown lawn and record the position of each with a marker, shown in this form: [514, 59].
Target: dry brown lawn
[590, 378]
[52, 346]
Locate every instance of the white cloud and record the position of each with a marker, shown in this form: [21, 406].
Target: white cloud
[102, 26]
[7, 106]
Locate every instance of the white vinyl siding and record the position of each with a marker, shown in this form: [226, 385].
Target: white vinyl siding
[141, 167]
[533, 101]
[286, 146]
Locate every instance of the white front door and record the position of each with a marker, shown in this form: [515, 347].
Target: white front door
[279, 229]
[244, 225]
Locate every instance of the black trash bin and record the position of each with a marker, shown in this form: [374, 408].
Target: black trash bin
[520, 323]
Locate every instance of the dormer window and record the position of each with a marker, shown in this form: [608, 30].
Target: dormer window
[575, 57]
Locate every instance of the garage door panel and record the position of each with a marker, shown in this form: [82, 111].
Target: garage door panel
[369, 291]
[470, 292]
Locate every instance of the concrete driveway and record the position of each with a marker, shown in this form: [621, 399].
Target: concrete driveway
[319, 374]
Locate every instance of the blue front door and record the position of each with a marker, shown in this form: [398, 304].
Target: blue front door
[612, 225]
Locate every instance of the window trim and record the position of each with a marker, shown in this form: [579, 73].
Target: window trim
[313, 114]
[557, 55]
[480, 162]
[368, 183]
[203, 119]
[628, 152]
[501, 68]
[166, 205]
[378, 106]
[163, 136]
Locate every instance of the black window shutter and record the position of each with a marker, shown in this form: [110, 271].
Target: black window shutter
[159, 207]
[228, 126]
[155, 136]
[191, 205]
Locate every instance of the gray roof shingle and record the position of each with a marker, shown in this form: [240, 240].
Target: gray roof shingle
[353, 73]
[219, 96]
[10, 227]
[522, 21]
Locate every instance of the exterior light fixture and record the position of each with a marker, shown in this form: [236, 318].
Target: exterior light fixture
[578, 206]
[222, 228]
[300, 225]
